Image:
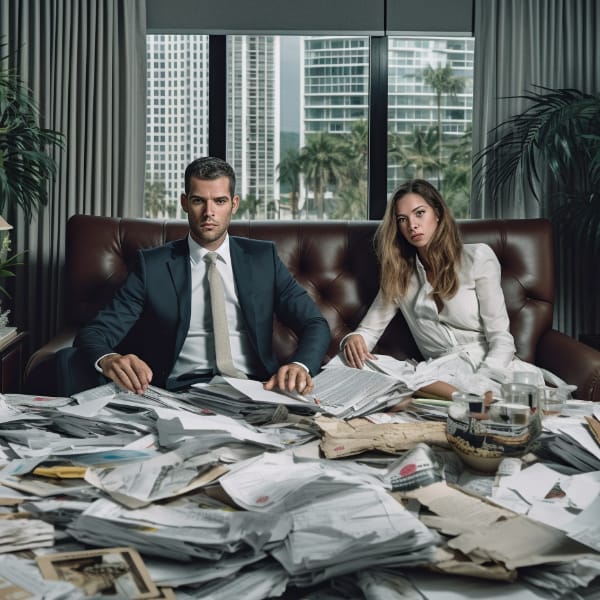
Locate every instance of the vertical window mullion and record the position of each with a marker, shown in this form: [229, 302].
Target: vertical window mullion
[378, 107]
[217, 95]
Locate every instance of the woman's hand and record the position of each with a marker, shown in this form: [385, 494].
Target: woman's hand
[355, 351]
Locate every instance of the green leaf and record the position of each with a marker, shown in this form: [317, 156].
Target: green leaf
[555, 141]
[27, 164]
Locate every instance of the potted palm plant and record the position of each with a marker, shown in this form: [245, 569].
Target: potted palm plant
[554, 142]
[554, 146]
[25, 163]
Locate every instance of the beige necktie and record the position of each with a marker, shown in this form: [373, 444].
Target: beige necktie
[219, 319]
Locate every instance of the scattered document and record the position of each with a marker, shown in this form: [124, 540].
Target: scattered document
[20, 579]
[20, 534]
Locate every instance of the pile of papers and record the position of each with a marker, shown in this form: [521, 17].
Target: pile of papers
[571, 438]
[339, 391]
[19, 534]
[181, 529]
[342, 519]
[570, 503]
[226, 495]
[21, 578]
[345, 393]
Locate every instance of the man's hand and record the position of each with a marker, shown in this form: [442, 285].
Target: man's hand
[291, 377]
[128, 371]
[355, 351]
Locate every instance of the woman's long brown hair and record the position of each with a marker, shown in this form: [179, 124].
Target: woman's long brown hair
[397, 256]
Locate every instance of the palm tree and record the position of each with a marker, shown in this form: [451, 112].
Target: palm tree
[172, 210]
[289, 173]
[155, 194]
[456, 184]
[356, 147]
[443, 81]
[421, 152]
[351, 202]
[248, 206]
[397, 157]
[272, 209]
[551, 150]
[323, 162]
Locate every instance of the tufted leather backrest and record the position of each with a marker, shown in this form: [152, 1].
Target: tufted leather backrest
[333, 260]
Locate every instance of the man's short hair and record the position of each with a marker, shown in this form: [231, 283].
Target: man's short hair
[210, 167]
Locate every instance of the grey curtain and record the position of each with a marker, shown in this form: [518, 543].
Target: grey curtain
[519, 44]
[85, 63]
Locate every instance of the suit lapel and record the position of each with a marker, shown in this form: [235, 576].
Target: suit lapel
[245, 274]
[242, 274]
[178, 265]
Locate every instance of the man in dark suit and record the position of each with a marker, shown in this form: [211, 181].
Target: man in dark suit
[158, 327]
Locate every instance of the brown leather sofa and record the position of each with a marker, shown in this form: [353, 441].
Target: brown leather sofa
[335, 262]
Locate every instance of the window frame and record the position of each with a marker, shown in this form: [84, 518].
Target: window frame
[378, 106]
[377, 193]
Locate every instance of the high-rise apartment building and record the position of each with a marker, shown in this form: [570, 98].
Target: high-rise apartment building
[176, 115]
[253, 130]
[411, 100]
[336, 85]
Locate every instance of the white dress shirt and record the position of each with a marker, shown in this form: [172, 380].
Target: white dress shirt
[198, 352]
[474, 321]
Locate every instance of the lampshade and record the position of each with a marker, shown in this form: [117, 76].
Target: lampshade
[4, 226]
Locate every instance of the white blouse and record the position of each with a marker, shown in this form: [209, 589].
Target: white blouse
[474, 322]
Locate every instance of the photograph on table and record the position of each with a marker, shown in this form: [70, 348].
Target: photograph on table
[106, 571]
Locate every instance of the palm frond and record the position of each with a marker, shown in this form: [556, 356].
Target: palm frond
[578, 218]
[26, 162]
[557, 135]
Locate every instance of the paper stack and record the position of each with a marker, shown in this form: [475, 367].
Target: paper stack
[343, 519]
[18, 534]
[223, 508]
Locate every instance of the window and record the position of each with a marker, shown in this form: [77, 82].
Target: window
[297, 120]
[428, 135]
[171, 136]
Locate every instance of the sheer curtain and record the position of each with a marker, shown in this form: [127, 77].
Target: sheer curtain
[85, 63]
[520, 44]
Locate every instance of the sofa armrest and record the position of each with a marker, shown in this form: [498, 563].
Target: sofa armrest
[572, 361]
[40, 372]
